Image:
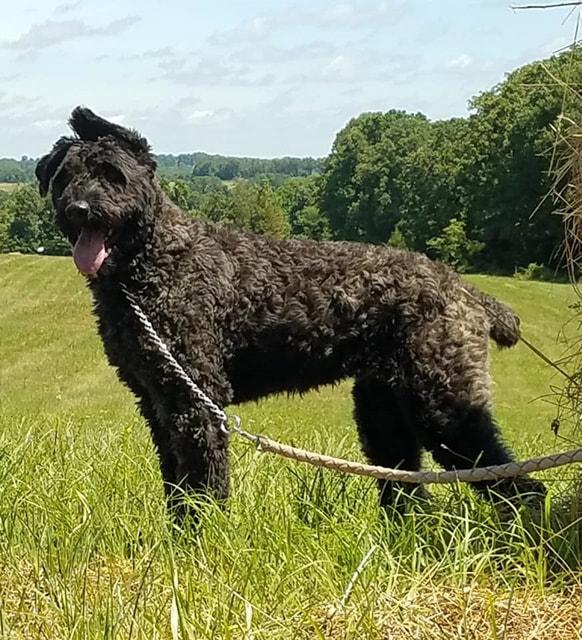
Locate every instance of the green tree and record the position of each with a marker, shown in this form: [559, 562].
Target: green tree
[27, 224]
[492, 168]
[271, 218]
[5, 220]
[17, 171]
[506, 181]
[311, 223]
[181, 194]
[247, 205]
[397, 239]
[384, 169]
[453, 246]
[299, 199]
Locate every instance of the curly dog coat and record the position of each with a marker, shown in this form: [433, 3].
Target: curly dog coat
[247, 316]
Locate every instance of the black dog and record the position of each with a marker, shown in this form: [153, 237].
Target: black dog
[247, 316]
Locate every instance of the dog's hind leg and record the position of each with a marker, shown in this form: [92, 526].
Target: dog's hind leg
[388, 434]
[449, 375]
[462, 436]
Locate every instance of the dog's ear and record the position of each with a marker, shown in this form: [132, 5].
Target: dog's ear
[89, 126]
[47, 166]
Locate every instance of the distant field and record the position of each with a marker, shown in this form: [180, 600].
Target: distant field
[86, 549]
[8, 186]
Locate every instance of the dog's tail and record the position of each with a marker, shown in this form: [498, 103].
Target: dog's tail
[503, 321]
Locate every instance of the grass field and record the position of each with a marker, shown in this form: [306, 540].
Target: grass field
[8, 186]
[86, 549]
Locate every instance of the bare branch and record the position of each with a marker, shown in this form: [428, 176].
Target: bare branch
[553, 5]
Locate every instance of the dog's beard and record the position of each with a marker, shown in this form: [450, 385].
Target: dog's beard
[90, 252]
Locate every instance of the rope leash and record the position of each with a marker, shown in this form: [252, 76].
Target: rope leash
[267, 445]
[476, 474]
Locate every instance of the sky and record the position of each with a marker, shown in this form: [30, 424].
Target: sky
[255, 77]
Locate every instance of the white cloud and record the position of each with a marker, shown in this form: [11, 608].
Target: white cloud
[52, 32]
[29, 125]
[200, 114]
[271, 54]
[352, 14]
[460, 62]
[161, 53]
[556, 45]
[48, 123]
[118, 118]
[266, 65]
[209, 71]
[66, 7]
[345, 15]
[265, 128]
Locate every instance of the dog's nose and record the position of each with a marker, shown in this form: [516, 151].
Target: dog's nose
[78, 208]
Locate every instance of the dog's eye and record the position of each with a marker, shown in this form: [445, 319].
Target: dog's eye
[59, 182]
[112, 174]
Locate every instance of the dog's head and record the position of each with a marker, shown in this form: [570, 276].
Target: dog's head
[100, 182]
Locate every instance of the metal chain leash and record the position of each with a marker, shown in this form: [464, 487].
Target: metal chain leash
[215, 410]
[476, 474]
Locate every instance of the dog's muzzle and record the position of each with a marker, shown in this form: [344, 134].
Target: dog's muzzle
[78, 211]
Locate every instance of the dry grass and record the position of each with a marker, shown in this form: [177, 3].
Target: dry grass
[567, 194]
[437, 612]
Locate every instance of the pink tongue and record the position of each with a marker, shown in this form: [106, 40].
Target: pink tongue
[89, 251]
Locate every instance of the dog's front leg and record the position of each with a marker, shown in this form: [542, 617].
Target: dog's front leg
[191, 447]
[200, 453]
[196, 444]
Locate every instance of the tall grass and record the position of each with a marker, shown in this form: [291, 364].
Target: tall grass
[88, 551]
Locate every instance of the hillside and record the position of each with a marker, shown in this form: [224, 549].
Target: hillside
[35, 288]
[87, 546]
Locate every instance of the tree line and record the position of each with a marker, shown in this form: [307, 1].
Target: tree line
[471, 191]
[233, 168]
[198, 164]
[16, 171]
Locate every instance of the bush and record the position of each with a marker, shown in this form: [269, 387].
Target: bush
[534, 271]
[27, 224]
[397, 239]
[453, 247]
